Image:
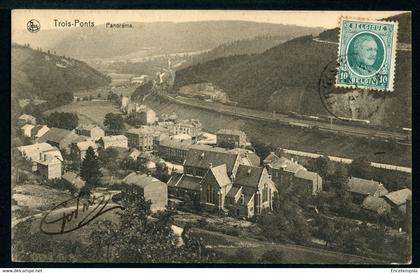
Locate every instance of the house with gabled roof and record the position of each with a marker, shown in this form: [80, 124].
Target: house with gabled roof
[49, 167]
[399, 199]
[377, 205]
[60, 138]
[74, 179]
[150, 188]
[307, 182]
[360, 188]
[90, 130]
[120, 141]
[26, 119]
[199, 159]
[140, 138]
[215, 185]
[252, 192]
[38, 131]
[78, 150]
[228, 138]
[26, 130]
[282, 169]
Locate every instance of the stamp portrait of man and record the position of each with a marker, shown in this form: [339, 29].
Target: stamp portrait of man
[365, 49]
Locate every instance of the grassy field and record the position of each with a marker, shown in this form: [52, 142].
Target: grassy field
[88, 111]
[293, 254]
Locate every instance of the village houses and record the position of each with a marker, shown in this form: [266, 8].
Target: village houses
[227, 138]
[120, 141]
[26, 130]
[140, 138]
[49, 167]
[78, 150]
[286, 173]
[361, 188]
[92, 131]
[399, 200]
[210, 175]
[61, 138]
[38, 131]
[26, 119]
[190, 127]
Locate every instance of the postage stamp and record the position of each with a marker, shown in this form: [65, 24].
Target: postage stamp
[367, 54]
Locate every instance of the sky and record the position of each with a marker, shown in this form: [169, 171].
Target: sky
[326, 19]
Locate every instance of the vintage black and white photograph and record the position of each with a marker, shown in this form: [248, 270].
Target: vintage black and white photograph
[211, 137]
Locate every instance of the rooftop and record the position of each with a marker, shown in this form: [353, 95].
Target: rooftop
[366, 187]
[86, 127]
[248, 176]
[202, 157]
[220, 174]
[376, 204]
[399, 197]
[114, 138]
[304, 174]
[57, 135]
[84, 145]
[185, 182]
[74, 179]
[141, 180]
[231, 132]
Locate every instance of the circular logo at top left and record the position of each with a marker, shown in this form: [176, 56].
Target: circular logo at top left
[33, 25]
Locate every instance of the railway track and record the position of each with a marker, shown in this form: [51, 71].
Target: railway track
[286, 120]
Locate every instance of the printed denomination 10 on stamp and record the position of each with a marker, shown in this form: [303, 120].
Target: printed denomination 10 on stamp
[367, 54]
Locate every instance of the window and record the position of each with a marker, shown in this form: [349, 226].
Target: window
[242, 200]
[209, 193]
[265, 193]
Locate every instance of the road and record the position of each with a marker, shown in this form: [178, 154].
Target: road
[287, 120]
[349, 161]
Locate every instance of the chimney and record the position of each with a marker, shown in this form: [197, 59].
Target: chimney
[210, 165]
[249, 172]
[202, 155]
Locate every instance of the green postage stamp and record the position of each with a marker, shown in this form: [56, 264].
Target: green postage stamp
[367, 54]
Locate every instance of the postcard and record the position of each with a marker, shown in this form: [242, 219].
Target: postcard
[211, 137]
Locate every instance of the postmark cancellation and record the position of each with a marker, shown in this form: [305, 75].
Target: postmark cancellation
[366, 54]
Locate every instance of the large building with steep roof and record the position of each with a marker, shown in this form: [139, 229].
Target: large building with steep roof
[252, 192]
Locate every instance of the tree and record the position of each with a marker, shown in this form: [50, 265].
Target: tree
[360, 167]
[149, 240]
[114, 121]
[102, 241]
[90, 169]
[63, 120]
[320, 165]
[162, 171]
[340, 180]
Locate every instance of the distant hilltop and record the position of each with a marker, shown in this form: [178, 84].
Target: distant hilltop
[156, 38]
[285, 78]
[37, 74]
